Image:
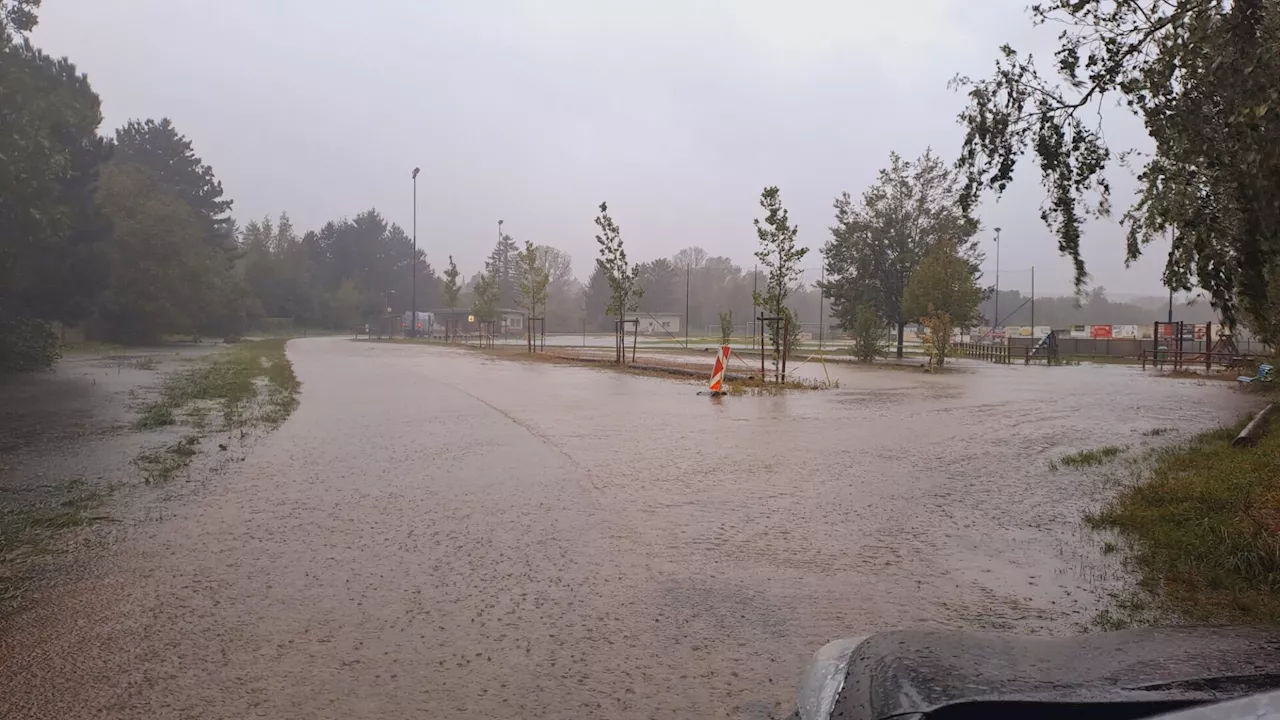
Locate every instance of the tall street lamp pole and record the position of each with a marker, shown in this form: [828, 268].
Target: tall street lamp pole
[413, 323]
[495, 272]
[996, 321]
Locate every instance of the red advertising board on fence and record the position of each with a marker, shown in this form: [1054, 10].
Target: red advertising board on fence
[1100, 332]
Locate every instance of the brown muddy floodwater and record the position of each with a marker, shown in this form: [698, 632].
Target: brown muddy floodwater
[437, 534]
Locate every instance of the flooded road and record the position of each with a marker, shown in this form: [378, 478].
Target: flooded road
[436, 533]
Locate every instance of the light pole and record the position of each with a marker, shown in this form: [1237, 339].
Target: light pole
[494, 279]
[822, 298]
[413, 322]
[996, 321]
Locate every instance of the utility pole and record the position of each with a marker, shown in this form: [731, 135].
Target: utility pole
[1033, 301]
[822, 311]
[755, 281]
[1170, 305]
[494, 271]
[686, 306]
[996, 321]
[413, 322]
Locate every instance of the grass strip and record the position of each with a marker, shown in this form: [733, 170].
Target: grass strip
[1203, 523]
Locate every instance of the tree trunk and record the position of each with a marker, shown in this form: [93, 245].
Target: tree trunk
[902, 329]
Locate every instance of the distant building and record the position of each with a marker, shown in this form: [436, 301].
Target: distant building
[509, 321]
[657, 323]
[425, 321]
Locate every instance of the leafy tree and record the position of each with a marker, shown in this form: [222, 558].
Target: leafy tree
[726, 327]
[164, 277]
[943, 293]
[348, 305]
[487, 293]
[1203, 76]
[693, 257]
[557, 264]
[877, 244]
[451, 287]
[169, 156]
[781, 259]
[867, 334]
[51, 231]
[533, 281]
[17, 16]
[624, 290]
[27, 344]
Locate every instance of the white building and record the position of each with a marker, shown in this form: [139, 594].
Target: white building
[657, 323]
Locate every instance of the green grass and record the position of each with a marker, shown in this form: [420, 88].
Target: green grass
[31, 522]
[230, 381]
[1205, 521]
[1157, 432]
[1086, 458]
[91, 347]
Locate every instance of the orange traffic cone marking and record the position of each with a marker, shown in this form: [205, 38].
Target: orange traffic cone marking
[717, 375]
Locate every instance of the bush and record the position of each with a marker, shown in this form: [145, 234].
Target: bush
[868, 334]
[27, 345]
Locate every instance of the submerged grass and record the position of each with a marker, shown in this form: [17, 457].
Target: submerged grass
[229, 381]
[754, 386]
[31, 522]
[251, 384]
[1204, 521]
[161, 465]
[1086, 458]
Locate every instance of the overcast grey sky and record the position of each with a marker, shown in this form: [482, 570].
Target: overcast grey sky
[675, 112]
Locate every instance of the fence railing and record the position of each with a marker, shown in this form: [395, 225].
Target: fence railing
[986, 351]
[1179, 359]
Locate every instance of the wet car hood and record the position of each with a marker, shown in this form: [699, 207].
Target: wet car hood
[920, 671]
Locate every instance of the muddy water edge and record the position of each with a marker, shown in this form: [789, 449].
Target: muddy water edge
[435, 533]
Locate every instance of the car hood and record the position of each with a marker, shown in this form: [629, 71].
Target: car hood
[918, 671]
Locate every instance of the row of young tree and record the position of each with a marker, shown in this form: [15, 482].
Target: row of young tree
[906, 252]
